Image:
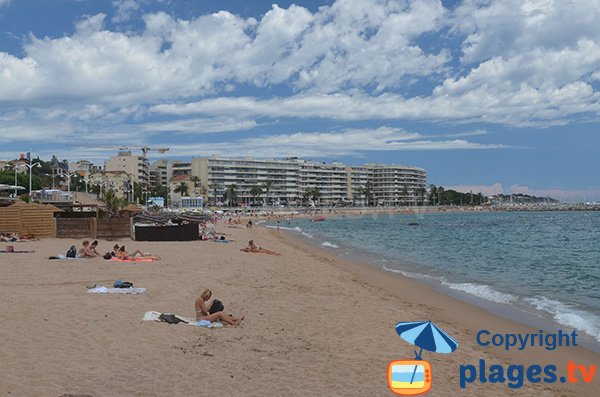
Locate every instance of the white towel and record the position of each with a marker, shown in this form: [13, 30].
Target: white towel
[104, 290]
[154, 316]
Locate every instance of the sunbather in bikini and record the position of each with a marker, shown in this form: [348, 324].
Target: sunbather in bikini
[202, 311]
[258, 250]
[122, 254]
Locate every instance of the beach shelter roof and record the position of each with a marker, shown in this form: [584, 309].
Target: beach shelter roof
[131, 208]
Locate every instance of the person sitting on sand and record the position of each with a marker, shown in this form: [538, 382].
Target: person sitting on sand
[258, 250]
[113, 253]
[93, 247]
[124, 255]
[249, 224]
[202, 306]
[85, 251]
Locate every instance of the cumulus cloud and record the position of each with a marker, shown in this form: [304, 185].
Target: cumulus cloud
[124, 10]
[346, 61]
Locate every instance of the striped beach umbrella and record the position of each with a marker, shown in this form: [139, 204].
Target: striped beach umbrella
[426, 335]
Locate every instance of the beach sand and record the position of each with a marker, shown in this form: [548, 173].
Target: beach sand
[315, 325]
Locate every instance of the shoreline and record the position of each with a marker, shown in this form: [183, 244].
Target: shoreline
[315, 324]
[531, 317]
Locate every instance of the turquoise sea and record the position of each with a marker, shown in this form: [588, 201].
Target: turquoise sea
[546, 264]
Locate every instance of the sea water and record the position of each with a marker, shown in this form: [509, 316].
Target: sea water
[547, 263]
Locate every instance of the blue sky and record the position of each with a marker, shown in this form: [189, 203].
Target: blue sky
[494, 96]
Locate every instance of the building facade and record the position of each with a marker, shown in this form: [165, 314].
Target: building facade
[136, 166]
[287, 181]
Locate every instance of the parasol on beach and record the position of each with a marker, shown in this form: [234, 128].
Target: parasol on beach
[426, 335]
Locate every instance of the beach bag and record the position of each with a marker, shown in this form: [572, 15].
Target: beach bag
[217, 306]
[72, 252]
[107, 256]
[171, 319]
[123, 284]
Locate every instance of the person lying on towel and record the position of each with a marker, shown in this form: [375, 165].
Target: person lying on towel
[258, 250]
[124, 255]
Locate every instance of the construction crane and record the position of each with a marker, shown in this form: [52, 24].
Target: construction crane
[144, 149]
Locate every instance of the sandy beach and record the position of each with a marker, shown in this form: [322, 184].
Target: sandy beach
[315, 325]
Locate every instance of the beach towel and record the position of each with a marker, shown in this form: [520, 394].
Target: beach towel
[61, 257]
[155, 316]
[132, 260]
[104, 290]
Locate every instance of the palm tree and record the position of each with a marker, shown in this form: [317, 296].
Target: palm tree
[194, 179]
[315, 194]
[113, 202]
[231, 194]
[367, 191]
[267, 186]
[255, 191]
[182, 188]
[214, 187]
[113, 205]
[404, 193]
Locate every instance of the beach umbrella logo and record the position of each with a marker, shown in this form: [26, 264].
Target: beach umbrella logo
[413, 377]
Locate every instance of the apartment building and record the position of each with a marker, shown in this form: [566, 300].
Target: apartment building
[137, 166]
[289, 179]
[397, 185]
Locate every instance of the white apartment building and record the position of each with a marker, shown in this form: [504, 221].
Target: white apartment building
[137, 166]
[397, 185]
[290, 178]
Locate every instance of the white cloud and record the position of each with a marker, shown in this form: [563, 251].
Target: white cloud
[570, 195]
[347, 61]
[326, 144]
[486, 190]
[4, 2]
[124, 10]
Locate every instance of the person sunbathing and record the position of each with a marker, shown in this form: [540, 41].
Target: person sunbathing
[85, 251]
[202, 306]
[93, 247]
[124, 255]
[258, 250]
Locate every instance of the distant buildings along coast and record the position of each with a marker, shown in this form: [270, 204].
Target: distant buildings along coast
[291, 181]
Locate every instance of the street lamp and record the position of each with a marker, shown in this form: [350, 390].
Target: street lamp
[68, 176]
[30, 166]
[15, 167]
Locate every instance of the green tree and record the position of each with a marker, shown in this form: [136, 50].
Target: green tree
[231, 195]
[367, 192]
[267, 186]
[405, 194]
[440, 195]
[214, 187]
[113, 202]
[182, 189]
[195, 180]
[255, 191]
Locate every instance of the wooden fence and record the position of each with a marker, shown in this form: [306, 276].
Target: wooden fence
[28, 219]
[93, 228]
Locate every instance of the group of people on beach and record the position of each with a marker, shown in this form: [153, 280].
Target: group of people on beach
[90, 250]
[15, 238]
